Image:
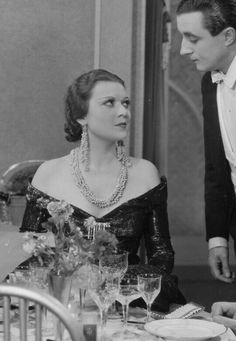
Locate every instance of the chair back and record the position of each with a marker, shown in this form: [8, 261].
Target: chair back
[13, 185]
[16, 178]
[40, 301]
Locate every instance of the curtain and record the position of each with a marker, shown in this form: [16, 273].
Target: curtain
[155, 115]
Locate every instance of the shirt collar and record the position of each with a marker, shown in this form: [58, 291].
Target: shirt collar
[229, 78]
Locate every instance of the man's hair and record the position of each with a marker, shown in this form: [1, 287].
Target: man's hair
[218, 14]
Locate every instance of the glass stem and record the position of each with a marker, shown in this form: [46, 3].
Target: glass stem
[125, 310]
[82, 293]
[148, 312]
[103, 315]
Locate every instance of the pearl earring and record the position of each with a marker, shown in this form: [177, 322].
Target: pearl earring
[84, 147]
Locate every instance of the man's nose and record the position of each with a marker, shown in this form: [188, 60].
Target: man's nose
[185, 48]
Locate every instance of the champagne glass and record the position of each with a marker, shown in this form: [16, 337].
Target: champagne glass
[149, 286]
[128, 293]
[104, 290]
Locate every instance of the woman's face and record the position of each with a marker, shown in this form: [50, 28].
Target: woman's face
[108, 111]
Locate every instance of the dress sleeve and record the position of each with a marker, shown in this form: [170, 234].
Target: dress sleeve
[157, 237]
[35, 212]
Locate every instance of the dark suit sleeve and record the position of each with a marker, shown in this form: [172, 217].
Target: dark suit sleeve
[219, 191]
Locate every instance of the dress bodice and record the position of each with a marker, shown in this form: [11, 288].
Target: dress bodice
[140, 218]
[144, 216]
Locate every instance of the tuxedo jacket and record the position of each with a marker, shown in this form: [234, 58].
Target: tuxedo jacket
[219, 190]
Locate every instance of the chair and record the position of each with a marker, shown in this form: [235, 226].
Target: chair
[14, 183]
[41, 302]
[15, 179]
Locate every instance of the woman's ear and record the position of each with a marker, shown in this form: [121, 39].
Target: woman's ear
[230, 36]
[81, 121]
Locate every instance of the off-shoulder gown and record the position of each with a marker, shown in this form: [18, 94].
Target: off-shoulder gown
[143, 217]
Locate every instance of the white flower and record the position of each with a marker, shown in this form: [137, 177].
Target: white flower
[60, 208]
[29, 246]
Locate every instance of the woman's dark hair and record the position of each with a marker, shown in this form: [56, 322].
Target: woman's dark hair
[77, 98]
[218, 14]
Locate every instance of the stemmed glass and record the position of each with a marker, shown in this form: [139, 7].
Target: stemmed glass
[80, 282]
[104, 290]
[128, 293]
[149, 286]
[114, 264]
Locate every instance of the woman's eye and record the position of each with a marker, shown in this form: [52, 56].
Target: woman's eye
[109, 103]
[126, 103]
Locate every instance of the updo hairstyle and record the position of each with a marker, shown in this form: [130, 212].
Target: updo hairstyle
[77, 99]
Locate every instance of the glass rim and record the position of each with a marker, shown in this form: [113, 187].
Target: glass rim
[116, 253]
[147, 275]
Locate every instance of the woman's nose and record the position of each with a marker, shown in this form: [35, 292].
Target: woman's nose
[122, 111]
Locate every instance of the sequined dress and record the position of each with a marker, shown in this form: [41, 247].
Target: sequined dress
[141, 218]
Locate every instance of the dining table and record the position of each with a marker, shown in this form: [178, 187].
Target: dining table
[12, 254]
[11, 251]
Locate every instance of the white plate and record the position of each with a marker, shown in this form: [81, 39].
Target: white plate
[185, 329]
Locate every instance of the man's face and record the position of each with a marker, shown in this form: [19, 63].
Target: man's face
[207, 52]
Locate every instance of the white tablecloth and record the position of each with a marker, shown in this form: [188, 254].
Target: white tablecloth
[11, 252]
[117, 326]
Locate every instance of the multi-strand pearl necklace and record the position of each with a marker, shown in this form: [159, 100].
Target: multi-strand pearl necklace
[87, 193]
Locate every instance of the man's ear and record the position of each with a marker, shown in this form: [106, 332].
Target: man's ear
[230, 36]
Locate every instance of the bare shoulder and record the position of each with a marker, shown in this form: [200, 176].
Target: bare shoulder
[146, 171]
[48, 171]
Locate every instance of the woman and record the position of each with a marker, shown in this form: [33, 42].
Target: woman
[107, 189]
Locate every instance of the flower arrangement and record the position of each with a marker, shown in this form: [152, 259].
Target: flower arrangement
[64, 246]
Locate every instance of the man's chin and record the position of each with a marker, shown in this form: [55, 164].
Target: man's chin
[201, 67]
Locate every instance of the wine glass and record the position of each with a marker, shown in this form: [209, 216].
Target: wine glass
[22, 277]
[39, 277]
[103, 290]
[80, 283]
[149, 286]
[127, 293]
[114, 264]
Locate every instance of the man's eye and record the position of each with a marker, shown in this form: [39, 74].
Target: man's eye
[193, 40]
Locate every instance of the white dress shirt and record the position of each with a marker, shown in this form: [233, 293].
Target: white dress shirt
[226, 102]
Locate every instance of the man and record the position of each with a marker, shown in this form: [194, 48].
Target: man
[208, 29]
[225, 313]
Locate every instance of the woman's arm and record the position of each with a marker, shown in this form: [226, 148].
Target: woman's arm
[157, 237]
[35, 213]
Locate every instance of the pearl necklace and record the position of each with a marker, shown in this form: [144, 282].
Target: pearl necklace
[87, 193]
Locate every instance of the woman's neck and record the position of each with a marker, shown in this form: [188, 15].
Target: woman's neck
[101, 155]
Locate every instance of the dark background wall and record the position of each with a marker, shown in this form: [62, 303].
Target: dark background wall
[185, 154]
[44, 45]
